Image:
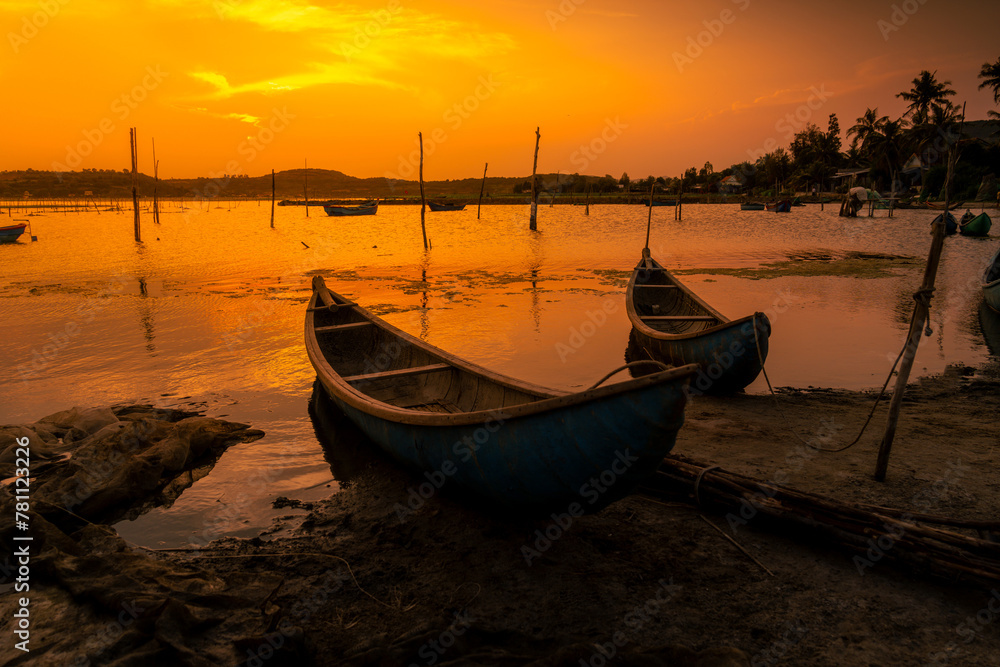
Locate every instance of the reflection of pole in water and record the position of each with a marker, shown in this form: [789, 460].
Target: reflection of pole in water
[146, 316]
[424, 328]
[535, 312]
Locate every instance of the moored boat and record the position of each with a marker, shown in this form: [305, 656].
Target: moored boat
[783, 206]
[660, 202]
[991, 282]
[673, 325]
[975, 225]
[751, 206]
[515, 444]
[435, 206]
[358, 209]
[950, 226]
[11, 233]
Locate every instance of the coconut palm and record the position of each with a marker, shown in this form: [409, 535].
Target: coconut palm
[888, 146]
[867, 126]
[990, 73]
[925, 92]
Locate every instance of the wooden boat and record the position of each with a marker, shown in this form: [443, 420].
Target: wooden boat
[951, 227]
[435, 206]
[673, 325]
[783, 206]
[975, 225]
[513, 443]
[659, 202]
[991, 283]
[751, 206]
[10, 233]
[358, 209]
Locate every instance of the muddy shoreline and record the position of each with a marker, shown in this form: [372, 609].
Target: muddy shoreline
[353, 580]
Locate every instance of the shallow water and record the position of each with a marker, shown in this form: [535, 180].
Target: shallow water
[208, 313]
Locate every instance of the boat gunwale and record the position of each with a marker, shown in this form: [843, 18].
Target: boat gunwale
[549, 399]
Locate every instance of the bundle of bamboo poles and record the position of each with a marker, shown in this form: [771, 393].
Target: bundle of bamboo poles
[916, 541]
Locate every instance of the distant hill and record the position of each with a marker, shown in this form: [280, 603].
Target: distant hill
[323, 184]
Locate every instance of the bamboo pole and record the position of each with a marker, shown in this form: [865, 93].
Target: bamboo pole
[680, 195]
[481, 189]
[423, 200]
[156, 180]
[921, 312]
[133, 137]
[586, 206]
[272, 199]
[533, 220]
[649, 216]
[305, 186]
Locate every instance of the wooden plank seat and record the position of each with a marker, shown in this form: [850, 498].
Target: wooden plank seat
[399, 372]
[660, 286]
[344, 327]
[679, 318]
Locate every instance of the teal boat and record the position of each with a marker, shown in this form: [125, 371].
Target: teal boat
[515, 444]
[975, 225]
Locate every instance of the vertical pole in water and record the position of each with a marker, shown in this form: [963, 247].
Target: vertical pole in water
[920, 316]
[156, 180]
[481, 189]
[272, 199]
[649, 217]
[586, 206]
[680, 196]
[135, 177]
[305, 186]
[533, 220]
[423, 200]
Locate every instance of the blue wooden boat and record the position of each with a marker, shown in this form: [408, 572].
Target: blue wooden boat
[661, 202]
[991, 283]
[951, 227]
[671, 324]
[10, 233]
[751, 206]
[435, 206]
[515, 444]
[783, 206]
[359, 209]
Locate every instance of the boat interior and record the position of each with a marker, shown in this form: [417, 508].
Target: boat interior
[664, 305]
[403, 373]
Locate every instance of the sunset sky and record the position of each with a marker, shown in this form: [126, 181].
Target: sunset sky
[245, 86]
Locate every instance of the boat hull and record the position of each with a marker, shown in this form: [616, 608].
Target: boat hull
[445, 207]
[991, 283]
[351, 210]
[515, 445]
[662, 203]
[978, 226]
[11, 233]
[779, 207]
[751, 207]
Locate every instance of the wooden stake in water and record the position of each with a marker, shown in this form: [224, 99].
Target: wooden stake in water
[481, 189]
[533, 220]
[305, 186]
[920, 316]
[423, 200]
[133, 137]
[272, 199]
[586, 206]
[156, 180]
[649, 216]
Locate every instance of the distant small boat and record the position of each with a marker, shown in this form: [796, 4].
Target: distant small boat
[797, 202]
[661, 202]
[975, 225]
[10, 233]
[783, 206]
[991, 283]
[435, 206]
[752, 206]
[951, 227]
[360, 209]
[516, 444]
[671, 324]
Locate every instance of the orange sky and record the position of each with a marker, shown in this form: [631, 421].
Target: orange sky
[249, 85]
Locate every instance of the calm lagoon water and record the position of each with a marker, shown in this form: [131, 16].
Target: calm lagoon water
[208, 312]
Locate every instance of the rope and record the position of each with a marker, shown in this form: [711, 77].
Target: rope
[871, 413]
[663, 367]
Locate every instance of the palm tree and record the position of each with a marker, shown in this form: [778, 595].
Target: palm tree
[990, 73]
[867, 126]
[888, 147]
[926, 91]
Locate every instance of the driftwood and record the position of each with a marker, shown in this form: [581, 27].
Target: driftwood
[917, 541]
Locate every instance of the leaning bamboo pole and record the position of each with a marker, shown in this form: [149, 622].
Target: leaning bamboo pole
[423, 200]
[133, 138]
[305, 185]
[533, 220]
[272, 199]
[481, 189]
[921, 312]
